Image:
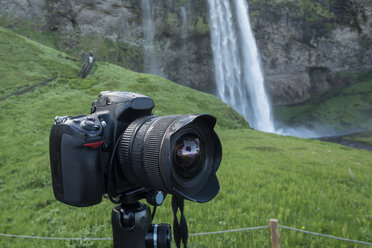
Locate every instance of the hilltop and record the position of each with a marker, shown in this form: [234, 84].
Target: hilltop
[319, 186]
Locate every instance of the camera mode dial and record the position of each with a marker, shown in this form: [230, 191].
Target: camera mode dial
[60, 119]
[90, 124]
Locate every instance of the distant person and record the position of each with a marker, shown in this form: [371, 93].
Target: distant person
[90, 57]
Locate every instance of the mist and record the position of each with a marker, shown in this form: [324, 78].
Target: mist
[316, 132]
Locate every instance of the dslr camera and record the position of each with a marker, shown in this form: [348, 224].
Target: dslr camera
[121, 149]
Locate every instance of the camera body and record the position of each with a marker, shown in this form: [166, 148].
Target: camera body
[121, 147]
[82, 147]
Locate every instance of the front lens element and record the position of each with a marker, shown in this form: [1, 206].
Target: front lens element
[188, 156]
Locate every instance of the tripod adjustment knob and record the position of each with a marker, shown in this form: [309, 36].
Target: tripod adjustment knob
[160, 236]
[155, 198]
[159, 198]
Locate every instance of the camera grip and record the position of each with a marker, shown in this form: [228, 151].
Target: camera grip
[77, 173]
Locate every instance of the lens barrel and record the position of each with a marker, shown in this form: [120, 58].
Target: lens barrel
[177, 154]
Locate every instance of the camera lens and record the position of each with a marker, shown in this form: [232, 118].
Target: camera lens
[188, 156]
[177, 154]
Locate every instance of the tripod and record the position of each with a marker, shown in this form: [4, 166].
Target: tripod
[131, 222]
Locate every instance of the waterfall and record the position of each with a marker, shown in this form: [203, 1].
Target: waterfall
[183, 70]
[238, 73]
[149, 52]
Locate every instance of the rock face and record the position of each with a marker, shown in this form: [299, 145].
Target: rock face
[310, 50]
[306, 46]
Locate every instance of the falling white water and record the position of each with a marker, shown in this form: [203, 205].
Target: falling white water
[149, 56]
[183, 22]
[239, 77]
[185, 59]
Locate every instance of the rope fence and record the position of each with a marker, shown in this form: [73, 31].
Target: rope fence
[230, 231]
[53, 238]
[324, 235]
[274, 227]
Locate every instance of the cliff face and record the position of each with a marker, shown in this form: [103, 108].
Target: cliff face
[306, 46]
[310, 46]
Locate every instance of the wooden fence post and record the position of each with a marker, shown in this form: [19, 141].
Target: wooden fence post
[275, 236]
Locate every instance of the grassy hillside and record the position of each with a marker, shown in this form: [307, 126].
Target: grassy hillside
[120, 53]
[307, 184]
[24, 63]
[347, 110]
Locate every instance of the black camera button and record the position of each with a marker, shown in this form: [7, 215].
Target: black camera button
[106, 147]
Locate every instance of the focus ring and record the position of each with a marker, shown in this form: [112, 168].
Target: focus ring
[126, 146]
[151, 152]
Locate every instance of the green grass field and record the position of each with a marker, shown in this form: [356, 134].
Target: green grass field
[346, 109]
[306, 184]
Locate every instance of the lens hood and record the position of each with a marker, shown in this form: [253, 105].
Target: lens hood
[178, 154]
[204, 186]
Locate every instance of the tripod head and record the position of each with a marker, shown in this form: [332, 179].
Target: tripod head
[131, 221]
